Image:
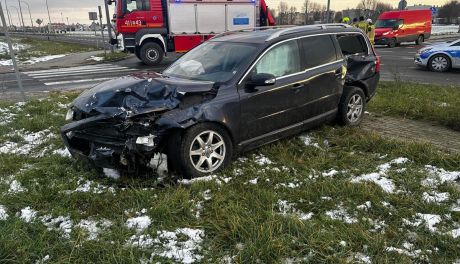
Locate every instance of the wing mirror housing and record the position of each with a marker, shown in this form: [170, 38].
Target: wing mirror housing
[261, 79]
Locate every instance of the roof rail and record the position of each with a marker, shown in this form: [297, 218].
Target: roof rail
[226, 33]
[318, 26]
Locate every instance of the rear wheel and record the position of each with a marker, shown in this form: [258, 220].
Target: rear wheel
[392, 43]
[439, 63]
[352, 106]
[204, 149]
[420, 40]
[151, 53]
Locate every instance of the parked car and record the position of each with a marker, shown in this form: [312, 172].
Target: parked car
[229, 95]
[439, 58]
[394, 27]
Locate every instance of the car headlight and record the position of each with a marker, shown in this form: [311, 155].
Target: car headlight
[69, 115]
[147, 141]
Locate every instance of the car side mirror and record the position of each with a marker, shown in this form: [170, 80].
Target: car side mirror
[261, 79]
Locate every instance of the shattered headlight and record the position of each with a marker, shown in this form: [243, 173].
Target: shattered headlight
[146, 141]
[69, 115]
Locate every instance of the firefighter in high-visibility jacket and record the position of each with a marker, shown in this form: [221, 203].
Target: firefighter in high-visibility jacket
[371, 31]
[363, 25]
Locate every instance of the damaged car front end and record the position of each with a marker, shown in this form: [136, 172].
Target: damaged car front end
[120, 125]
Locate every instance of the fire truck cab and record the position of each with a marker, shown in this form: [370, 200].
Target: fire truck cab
[152, 28]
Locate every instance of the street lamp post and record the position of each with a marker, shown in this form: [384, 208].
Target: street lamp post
[30, 14]
[8, 13]
[328, 14]
[49, 17]
[22, 18]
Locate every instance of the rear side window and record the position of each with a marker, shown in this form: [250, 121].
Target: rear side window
[353, 44]
[281, 60]
[318, 50]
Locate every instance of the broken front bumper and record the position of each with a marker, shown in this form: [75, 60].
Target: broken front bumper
[102, 143]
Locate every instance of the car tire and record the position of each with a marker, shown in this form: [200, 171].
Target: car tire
[198, 156]
[352, 106]
[392, 43]
[420, 40]
[439, 63]
[151, 53]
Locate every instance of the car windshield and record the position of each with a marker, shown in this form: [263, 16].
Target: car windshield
[212, 61]
[386, 23]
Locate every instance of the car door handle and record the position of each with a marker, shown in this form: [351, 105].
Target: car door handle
[297, 86]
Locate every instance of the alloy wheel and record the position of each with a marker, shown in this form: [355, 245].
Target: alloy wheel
[207, 152]
[355, 108]
[439, 63]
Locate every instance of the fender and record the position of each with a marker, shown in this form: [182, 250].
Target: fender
[442, 53]
[147, 33]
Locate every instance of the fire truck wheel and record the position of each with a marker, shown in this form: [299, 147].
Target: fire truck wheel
[151, 53]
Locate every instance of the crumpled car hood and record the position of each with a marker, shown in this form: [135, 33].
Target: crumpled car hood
[138, 94]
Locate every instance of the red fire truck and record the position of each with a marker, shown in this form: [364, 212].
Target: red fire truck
[151, 28]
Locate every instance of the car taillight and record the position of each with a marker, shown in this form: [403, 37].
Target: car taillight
[377, 64]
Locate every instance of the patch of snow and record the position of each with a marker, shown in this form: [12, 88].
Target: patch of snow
[435, 197]
[95, 58]
[16, 187]
[111, 173]
[285, 208]
[90, 187]
[140, 241]
[31, 141]
[168, 245]
[32, 60]
[308, 141]
[93, 227]
[412, 254]
[3, 213]
[330, 173]
[343, 243]
[326, 198]
[455, 233]
[341, 214]
[386, 184]
[254, 181]
[61, 224]
[437, 176]
[62, 152]
[199, 179]
[27, 214]
[43, 260]
[430, 220]
[261, 160]
[456, 207]
[139, 223]
[365, 207]
[4, 48]
[360, 258]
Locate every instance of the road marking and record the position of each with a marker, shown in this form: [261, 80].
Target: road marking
[78, 81]
[79, 75]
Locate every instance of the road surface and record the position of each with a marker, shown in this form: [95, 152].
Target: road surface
[397, 63]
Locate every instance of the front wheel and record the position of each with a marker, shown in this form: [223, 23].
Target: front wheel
[420, 40]
[204, 149]
[439, 63]
[352, 106]
[392, 43]
[151, 53]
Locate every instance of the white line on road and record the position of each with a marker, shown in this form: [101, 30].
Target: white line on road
[81, 72]
[77, 81]
[96, 66]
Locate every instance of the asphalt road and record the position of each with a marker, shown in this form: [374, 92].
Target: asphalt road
[397, 63]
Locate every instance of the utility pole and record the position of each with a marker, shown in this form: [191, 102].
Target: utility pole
[13, 57]
[8, 13]
[102, 29]
[22, 18]
[49, 18]
[30, 14]
[328, 14]
[109, 24]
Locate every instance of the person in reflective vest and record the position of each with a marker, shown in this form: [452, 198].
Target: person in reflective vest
[363, 25]
[355, 22]
[346, 20]
[371, 31]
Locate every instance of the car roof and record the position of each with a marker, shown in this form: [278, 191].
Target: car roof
[264, 35]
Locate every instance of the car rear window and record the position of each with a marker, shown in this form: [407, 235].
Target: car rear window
[353, 44]
[318, 50]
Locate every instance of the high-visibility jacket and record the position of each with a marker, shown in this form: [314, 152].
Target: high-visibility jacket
[371, 34]
[364, 26]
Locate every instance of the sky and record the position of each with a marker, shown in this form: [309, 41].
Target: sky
[77, 10]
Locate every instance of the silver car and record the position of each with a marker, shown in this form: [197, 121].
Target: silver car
[440, 57]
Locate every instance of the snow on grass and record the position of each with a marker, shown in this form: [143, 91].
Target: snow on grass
[93, 227]
[309, 141]
[341, 214]
[62, 152]
[31, 140]
[365, 207]
[359, 258]
[43, 260]
[456, 207]
[32, 60]
[16, 187]
[140, 241]
[379, 177]
[437, 176]
[286, 209]
[430, 221]
[95, 58]
[176, 248]
[3, 213]
[4, 48]
[435, 197]
[111, 173]
[61, 224]
[261, 160]
[27, 214]
[139, 223]
[199, 179]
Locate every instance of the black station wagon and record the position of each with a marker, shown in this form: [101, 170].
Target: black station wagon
[236, 92]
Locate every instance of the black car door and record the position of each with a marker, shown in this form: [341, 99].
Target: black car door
[269, 108]
[324, 77]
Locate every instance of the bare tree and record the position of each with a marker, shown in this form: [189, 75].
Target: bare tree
[306, 9]
[283, 9]
[450, 11]
[292, 15]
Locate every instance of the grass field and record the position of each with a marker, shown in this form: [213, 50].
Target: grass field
[333, 195]
[34, 48]
[439, 104]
